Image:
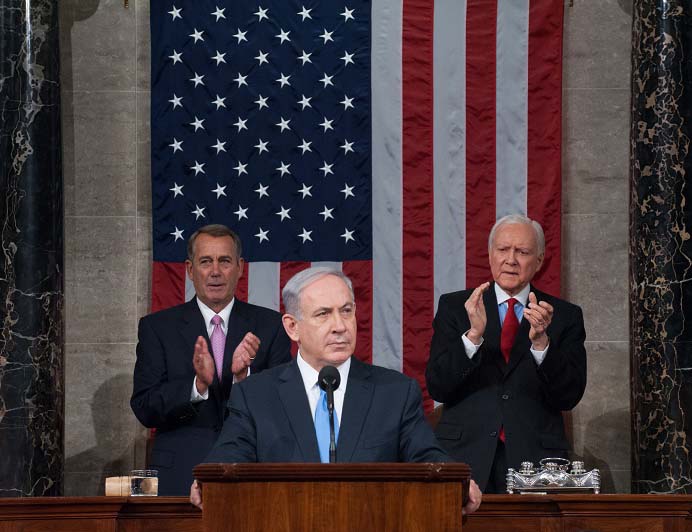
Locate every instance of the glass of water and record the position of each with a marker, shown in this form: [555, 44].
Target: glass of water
[144, 482]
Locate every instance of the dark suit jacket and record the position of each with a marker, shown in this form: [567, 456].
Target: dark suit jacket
[164, 376]
[382, 420]
[483, 394]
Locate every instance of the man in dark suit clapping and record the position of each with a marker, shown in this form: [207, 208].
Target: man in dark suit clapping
[505, 360]
[189, 356]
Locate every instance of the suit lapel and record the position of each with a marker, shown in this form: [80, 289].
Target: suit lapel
[192, 326]
[297, 407]
[238, 325]
[357, 401]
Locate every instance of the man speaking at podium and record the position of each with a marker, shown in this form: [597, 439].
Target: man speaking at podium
[280, 415]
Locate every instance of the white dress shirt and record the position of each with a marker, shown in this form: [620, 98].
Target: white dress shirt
[502, 297]
[312, 388]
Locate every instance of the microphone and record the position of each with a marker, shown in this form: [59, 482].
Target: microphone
[329, 380]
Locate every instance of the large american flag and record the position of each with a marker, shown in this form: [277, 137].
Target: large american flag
[383, 137]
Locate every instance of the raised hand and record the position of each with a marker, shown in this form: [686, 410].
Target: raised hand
[476, 312]
[539, 316]
[243, 356]
[203, 363]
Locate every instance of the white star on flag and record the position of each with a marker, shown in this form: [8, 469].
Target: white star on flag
[326, 36]
[240, 168]
[305, 13]
[262, 190]
[283, 168]
[283, 124]
[240, 124]
[178, 233]
[348, 235]
[327, 213]
[305, 235]
[305, 191]
[198, 168]
[326, 80]
[347, 191]
[175, 13]
[261, 13]
[262, 235]
[176, 57]
[262, 57]
[326, 169]
[326, 124]
[219, 146]
[283, 80]
[240, 80]
[197, 35]
[176, 101]
[219, 190]
[347, 146]
[305, 102]
[261, 145]
[347, 102]
[198, 212]
[347, 58]
[241, 213]
[240, 35]
[284, 213]
[283, 35]
[219, 102]
[197, 80]
[305, 146]
[177, 145]
[219, 13]
[177, 191]
[219, 57]
[347, 14]
[261, 101]
[305, 58]
[197, 123]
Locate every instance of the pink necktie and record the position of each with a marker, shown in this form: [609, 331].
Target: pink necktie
[218, 342]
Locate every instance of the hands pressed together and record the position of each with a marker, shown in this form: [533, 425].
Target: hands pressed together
[538, 314]
[204, 366]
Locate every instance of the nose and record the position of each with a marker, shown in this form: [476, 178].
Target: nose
[338, 323]
[512, 257]
[215, 268]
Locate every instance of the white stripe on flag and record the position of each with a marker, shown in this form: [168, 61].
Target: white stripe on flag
[263, 284]
[450, 146]
[387, 338]
[512, 106]
[326, 264]
[189, 289]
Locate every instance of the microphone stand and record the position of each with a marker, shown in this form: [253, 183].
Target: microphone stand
[332, 439]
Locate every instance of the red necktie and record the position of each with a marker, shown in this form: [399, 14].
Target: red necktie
[509, 330]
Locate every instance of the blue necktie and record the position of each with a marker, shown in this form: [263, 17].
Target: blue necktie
[322, 427]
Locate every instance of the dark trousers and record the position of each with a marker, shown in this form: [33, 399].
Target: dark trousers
[497, 483]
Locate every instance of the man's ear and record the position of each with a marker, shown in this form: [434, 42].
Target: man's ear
[291, 326]
[540, 262]
[188, 268]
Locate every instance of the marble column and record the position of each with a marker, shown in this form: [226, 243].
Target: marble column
[660, 247]
[31, 264]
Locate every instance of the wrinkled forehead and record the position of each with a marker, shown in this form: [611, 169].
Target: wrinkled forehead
[515, 234]
[328, 291]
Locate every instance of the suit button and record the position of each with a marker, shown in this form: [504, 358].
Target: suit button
[505, 397]
[493, 434]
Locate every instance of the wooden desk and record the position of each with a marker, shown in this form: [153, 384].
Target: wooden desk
[498, 513]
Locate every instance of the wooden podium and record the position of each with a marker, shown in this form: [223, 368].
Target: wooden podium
[336, 497]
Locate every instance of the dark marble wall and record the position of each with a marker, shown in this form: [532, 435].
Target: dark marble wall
[31, 264]
[660, 246]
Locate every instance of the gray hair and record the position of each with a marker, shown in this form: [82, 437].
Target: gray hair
[296, 284]
[217, 231]
[519, 219]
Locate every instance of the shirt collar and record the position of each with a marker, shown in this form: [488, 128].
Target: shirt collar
[502, 296]
[208, 313]
[310, 374]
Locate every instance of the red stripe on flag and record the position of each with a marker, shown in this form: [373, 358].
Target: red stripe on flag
[418, 196]
[241, 290]
[545, 133]
[481, 39]
[360, 273]
[167, 285]
[288, 270]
